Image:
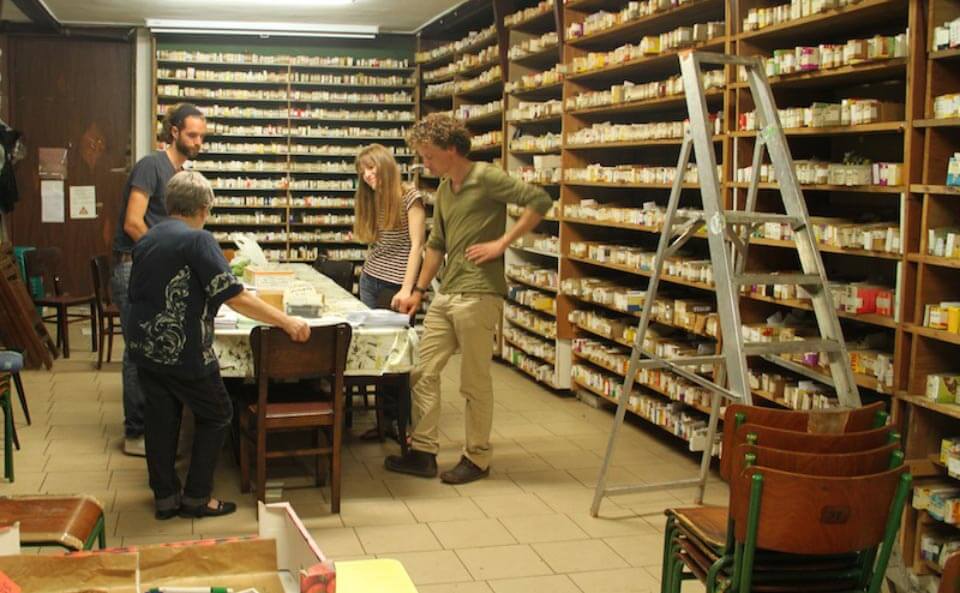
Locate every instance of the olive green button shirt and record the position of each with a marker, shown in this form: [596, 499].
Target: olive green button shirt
[477, 214]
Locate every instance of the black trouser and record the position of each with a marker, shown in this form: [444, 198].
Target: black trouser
[165, 397]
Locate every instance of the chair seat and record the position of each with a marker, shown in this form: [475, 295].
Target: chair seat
[67, 521]
[708, 524]
[11, 362]
[111, 310]
[64, 299]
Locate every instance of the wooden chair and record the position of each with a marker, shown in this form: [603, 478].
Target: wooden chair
[341, 272]
[827, 516]
[713, 524]
[277, 358]
[72, 522]
[9, 430]
[46, 263]
[950, 579]
[108, 314]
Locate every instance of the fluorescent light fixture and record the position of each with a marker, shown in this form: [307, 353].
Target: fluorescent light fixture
[256, 28]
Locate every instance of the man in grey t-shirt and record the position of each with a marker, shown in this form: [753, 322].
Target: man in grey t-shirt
[184, 128]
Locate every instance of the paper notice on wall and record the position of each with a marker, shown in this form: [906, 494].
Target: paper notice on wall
[83, 201]
[51, 200]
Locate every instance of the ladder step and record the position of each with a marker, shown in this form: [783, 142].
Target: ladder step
[763, 278]
[741, 217]
[790, 347]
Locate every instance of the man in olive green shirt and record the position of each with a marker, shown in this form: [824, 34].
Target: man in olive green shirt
[468, 228]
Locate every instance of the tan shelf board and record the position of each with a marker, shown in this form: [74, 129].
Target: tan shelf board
[871, 319]
[936, 334]
[636, 272]
[544, 18]
[529, 374]
[636, 314]
[516, 345]
[537, 91]
[830, 21]
[829, 249]
[477, 69]
[538, 56]
[946, 122]
[537, 120]
[531, 284]
[871, 128]
[530, 329]
[449, 57]
[870, 189]
[933, 260]
[629, 185]
[639, 65]
[285, 65]
[486, 118]
[945, 54]
[943, 190]
[854, 74]
[664, 20]
[642, 105]
[952, 411]
[534, 152]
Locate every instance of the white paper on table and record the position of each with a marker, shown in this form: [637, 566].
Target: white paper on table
[51, 200]
[83, 201]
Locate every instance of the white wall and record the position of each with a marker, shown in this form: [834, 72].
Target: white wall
[143, 107]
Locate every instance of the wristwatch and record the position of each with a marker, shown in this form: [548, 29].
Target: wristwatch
[419, 289]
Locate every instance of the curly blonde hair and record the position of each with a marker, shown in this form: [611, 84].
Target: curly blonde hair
[442, 131]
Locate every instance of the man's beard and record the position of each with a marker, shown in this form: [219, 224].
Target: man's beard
[188, 151]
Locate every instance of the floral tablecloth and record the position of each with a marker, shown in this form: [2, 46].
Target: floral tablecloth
[373, 350]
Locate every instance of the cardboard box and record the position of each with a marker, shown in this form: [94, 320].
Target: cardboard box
[943, 388]
[267, 277]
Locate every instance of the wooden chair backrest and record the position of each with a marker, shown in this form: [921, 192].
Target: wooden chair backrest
[806, 514]
[20, 325]
[276, 356]
[790, 440]
[815, 421]
[100, 270]
[859, 463]
[45, 263]
[340, 272]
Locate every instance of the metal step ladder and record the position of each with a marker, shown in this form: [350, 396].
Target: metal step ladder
[728, 237]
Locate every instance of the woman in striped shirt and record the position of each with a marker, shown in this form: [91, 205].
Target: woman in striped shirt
[391, 217]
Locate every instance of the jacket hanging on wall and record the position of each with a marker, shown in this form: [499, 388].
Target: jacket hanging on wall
[10, 147]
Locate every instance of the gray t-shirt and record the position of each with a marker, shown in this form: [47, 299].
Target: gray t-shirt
[150, 175]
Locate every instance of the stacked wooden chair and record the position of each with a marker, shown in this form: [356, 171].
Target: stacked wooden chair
[815, 504]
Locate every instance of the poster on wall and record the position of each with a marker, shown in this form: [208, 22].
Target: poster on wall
[51, 200]
[53, 163]
[83, 201]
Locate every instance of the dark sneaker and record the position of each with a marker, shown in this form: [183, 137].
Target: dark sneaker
[222, 508]
[415, 463]
[466, 471]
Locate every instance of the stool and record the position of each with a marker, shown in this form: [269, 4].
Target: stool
[10, 364]
[72, 522]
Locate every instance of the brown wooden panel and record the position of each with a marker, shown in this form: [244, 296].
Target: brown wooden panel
[75, 94]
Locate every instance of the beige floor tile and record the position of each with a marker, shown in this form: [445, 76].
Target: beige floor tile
[364, 490]
[518, 462]
[421, 488]
[645, 549]
[569, 500]
[573, 459]
[543, 528]
[136, 523]
[626, 580]
[547, 584]
[427, 568]
[544, 480]
[24, 483]
[77, 463]
[317, 515]
[612, 522]
[521, 431]
[495, 485]
[586, 555]
[445, 509]
[76, 448]
[468, 587]
[337, 542]
[503, 562]
[71, 482]
[375, 513]
[149, 540]
[472, 533]
[397, 538]
[512, 505]
[616, 475]
[242, 522]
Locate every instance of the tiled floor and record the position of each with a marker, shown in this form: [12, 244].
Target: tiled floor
[524, 529]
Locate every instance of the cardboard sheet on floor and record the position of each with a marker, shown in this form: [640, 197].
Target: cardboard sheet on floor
[373, 575]
[233, 564]
[76, 573]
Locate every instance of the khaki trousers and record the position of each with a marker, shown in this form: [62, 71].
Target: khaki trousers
[466, 321]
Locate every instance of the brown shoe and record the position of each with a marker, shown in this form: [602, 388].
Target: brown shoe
[465, 472]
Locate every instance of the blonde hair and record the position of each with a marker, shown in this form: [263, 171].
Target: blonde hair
[381, 206]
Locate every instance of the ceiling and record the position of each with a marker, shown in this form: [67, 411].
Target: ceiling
[383, 13]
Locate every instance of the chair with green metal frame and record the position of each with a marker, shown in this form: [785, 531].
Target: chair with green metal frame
[711, 563]
[829, 516]
[71, 522]
[713, 522]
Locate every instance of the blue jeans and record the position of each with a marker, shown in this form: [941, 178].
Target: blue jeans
[133, 402]
[373, 291]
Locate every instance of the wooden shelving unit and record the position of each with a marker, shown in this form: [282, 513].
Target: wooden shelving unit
[283, 133]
